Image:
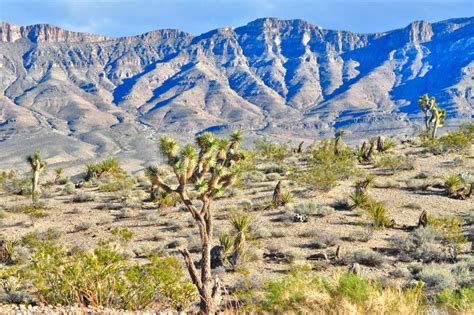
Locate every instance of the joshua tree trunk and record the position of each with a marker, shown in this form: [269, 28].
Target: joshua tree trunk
[435, 128]
[34, 181]
[300, 148]
[277, 195]
[204, 284]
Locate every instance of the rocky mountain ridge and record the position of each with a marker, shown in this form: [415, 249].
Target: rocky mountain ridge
[290, 79]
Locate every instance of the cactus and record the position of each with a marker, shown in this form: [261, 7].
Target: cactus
[211, 169]
[37, 167]
[434, 116]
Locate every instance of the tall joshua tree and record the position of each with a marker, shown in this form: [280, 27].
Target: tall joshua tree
[434, 116]
[37, 167]
[211, 170]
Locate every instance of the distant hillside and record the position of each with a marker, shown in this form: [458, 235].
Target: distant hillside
[80, 95]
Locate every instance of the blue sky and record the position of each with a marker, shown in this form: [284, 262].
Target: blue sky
[130, 17]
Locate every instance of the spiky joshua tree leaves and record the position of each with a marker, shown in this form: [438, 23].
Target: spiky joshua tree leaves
[434, 116]
[210, 168]
[37, 167]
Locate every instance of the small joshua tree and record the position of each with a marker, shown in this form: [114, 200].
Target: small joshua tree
[434, 116]
[37, 167]
[211, 171]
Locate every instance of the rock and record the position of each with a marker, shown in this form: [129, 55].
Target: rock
[355, 269]
[318, 256]
[300, 218]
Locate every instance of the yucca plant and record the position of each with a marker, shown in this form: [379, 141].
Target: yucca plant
[359, 199]
[241, 223]
[226, 241]
[452, 184]
[378, 215]
[287, 198]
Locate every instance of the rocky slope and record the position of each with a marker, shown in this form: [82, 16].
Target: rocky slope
[80, 95]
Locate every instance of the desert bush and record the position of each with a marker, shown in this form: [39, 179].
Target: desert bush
[356, 289]
[279, 169]
[322, 239]
[12, 183]
[325, 168]
[395, 163]
[84, 197]
[421, 244]
[118, 184]
[449, 229]
[69, 188]
[302, 292]
[270, 151]
[104, 278]
[361, 235]
[109, 167]
[457, 301]
[123, 235]
[83, 226]
[437, 278]
[33, 239]
[165, 200]
[311, 208]
[368, 258]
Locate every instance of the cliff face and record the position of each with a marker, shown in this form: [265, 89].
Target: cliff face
[289, 78]
[44, 33]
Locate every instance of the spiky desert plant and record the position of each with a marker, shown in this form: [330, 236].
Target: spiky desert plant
[452, 184]
[37, 167]
[359, 199]
[241, 224]
[59, 175]
[378, 215]
[226, 241]
[210, 170]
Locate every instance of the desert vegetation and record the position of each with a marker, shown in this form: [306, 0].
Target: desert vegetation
[380, 227]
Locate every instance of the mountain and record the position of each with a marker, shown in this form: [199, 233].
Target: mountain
[78, 95]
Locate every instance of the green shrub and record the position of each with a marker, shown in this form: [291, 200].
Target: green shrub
[104, 278]
[356, 289]
[119, 184]
[456, 141]
[325, 168]
[270, 151]
[461, 300]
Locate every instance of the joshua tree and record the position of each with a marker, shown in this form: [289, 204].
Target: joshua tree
[434, 116]
[211, 171]
[37, 167]
[339, 143]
